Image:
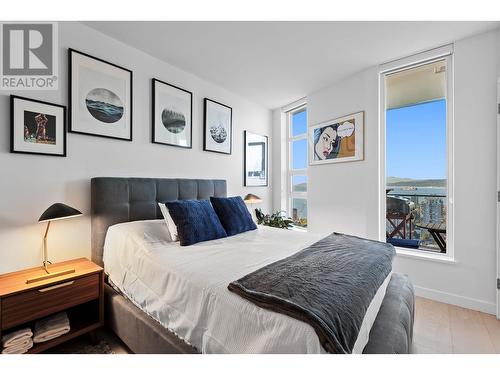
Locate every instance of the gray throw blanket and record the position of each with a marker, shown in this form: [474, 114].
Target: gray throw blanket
[328, 285]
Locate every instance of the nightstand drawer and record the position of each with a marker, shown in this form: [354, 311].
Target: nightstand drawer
[33, 304]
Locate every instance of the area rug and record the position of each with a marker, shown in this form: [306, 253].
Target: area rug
[101, 348]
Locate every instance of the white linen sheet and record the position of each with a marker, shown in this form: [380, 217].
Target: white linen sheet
[185, 288]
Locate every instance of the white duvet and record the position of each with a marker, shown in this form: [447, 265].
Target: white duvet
[185, 288]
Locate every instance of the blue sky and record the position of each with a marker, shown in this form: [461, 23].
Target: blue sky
[416, 141]
[415, 146]
[299, 123]
[299, 148]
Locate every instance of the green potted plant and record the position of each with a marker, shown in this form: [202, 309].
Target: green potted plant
[275, 220]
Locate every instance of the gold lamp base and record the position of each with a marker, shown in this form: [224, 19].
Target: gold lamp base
[46, 262]
[49, 276]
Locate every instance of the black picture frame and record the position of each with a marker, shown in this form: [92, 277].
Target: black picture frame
[71, 52]
[13, 119]
[205, 102]
[265, 158]
[153, 113]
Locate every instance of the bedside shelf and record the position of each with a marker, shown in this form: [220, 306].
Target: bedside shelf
[82, 319]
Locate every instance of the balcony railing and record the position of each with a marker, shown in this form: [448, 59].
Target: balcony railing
[429, 208]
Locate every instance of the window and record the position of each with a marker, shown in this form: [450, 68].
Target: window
[297, 165]
[418, 158]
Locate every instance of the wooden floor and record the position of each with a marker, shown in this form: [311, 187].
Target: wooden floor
[441, 328]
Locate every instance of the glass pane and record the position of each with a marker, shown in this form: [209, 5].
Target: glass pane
[299, 211]
[299, 123]
[299, 154]
[416, 158]
[299, 183]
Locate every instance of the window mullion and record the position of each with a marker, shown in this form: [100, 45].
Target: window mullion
[291, 173]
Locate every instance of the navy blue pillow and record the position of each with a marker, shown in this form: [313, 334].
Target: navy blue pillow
[196, 221]
[233, 214]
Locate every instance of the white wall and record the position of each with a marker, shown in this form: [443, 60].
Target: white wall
[344, 197]
[30, 183]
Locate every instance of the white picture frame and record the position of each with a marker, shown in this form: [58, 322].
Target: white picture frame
[337, 141]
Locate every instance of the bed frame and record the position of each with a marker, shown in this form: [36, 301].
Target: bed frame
[117, 200]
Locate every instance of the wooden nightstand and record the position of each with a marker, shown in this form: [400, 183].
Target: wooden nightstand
[80, 294]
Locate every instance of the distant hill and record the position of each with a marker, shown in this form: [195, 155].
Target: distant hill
[394, 180]
[398, 181]
[300, 187]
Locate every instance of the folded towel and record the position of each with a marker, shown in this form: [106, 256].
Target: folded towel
[13, 338]
[20, 348]
[56, 321]
[49, 335]
[51, 327]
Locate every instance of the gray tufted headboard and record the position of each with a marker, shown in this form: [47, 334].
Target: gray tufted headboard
[120, 199]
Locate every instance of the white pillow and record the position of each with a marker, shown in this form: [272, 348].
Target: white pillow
[172, 228]
[151, 231]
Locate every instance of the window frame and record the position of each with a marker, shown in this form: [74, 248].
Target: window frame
[438, 54]
[290, 172]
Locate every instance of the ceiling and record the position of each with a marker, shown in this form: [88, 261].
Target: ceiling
[275, 63]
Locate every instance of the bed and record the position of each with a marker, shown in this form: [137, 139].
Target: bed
[141, 273]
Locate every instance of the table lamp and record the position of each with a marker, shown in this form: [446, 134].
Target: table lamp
[57, 211]
[251, 199]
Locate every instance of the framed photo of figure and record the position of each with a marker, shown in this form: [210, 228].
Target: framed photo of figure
[172, 115]
[100, 97]
[217, 129]
[256, 159]
[336, 141]
[37, 127]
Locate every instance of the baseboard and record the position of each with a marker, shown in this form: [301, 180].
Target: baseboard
[455, 299]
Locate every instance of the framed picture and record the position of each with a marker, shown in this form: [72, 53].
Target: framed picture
[100, 97]
[256, 159]
[337, 140]
[218, 131]
[172, 115]
[37, 127]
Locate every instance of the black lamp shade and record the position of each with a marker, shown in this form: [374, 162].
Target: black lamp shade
[59, 211]
[252, 198]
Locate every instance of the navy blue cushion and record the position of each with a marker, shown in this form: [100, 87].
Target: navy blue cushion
[400, 242]
[233, 214]
[196, 221]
